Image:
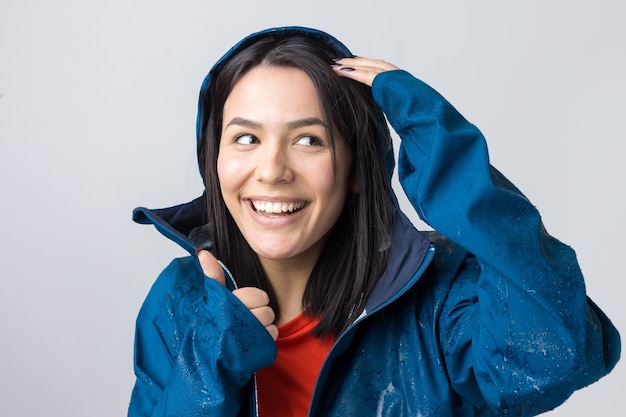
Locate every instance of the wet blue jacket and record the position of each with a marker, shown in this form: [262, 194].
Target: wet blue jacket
[490, 320]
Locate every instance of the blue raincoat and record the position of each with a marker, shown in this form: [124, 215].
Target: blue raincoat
[486, 316]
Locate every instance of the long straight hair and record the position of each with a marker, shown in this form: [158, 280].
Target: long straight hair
[356, 253]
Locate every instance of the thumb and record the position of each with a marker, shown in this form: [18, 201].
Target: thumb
[211, 267]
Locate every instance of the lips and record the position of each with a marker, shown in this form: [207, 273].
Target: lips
[277, 207]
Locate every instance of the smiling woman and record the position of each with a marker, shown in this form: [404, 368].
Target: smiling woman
[284, 128]
[278, 159]
[309, 293]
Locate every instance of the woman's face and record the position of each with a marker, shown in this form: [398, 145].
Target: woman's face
[275, 165]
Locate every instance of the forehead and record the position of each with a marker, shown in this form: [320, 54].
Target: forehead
[288, 91]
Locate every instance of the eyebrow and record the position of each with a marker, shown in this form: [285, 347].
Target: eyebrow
[308, 121]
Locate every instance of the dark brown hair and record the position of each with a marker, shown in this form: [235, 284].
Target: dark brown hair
[356, 253]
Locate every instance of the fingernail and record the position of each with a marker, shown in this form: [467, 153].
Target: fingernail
[346, 69]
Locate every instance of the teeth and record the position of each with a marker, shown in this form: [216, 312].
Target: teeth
[269, 207]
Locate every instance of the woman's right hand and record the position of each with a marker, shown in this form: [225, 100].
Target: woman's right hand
[255, 299]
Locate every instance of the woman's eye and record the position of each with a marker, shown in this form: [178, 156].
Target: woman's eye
[310, 141]
[245, 139]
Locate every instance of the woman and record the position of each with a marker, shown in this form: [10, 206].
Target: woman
[325, 300]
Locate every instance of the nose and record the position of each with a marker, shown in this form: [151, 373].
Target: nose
[273, 164]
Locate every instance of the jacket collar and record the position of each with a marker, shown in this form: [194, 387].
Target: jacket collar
[177, 222]
[410, 254]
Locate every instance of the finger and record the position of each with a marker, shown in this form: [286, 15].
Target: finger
[257, 302]
[211, 267]
[364, 77]
[273, 331]
[264, 314]
[252, 297]
[378, 64]
[363, 70]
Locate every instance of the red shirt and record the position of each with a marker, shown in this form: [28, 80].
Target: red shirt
[286, 387]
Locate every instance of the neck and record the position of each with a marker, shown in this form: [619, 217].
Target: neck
[288, 279]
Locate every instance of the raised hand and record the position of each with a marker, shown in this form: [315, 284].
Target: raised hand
[362, 69]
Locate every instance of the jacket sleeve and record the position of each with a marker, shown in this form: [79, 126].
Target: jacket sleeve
[517, 331]
[196, 347]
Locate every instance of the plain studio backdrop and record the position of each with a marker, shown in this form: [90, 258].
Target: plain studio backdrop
[97, 116]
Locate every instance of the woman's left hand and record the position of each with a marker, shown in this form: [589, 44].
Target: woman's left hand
[362, 69]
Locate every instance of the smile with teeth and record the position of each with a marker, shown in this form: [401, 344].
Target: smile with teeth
[277, 207]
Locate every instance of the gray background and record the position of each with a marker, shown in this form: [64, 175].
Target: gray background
[97, 116]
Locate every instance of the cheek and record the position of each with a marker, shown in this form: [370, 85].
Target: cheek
[233, 174]
[227, 175]
[221, 168]
[334, 188]
[228, 167]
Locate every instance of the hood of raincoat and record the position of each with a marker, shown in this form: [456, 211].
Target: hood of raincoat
[178, 222]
